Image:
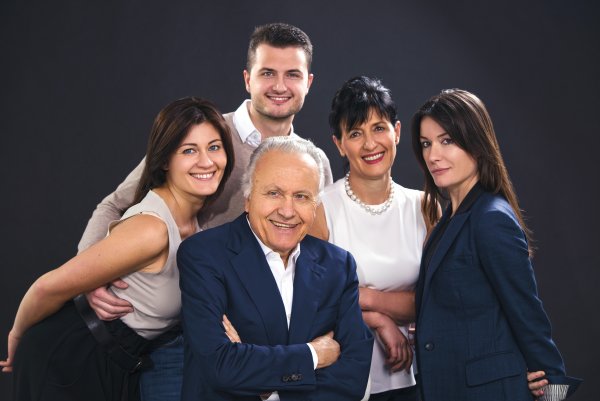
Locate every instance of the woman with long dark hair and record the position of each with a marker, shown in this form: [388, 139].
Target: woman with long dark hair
[480, 324]
[57, 348]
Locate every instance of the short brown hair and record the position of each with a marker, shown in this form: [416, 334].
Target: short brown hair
[279, 35]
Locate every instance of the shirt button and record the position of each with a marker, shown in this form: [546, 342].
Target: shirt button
[429, 346]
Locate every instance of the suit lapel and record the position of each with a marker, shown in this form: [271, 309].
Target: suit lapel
[307, 294]
[448, 237]
[255, 275]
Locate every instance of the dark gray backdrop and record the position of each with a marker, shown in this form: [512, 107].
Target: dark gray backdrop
[81, 83]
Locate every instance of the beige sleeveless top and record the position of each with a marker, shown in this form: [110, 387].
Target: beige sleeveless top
[155, 297]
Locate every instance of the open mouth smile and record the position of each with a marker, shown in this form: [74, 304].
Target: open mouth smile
[374, 158]
[203, 176]
[283, 225]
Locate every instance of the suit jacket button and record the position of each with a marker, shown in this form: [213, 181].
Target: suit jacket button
[429, 346]
[285, 379]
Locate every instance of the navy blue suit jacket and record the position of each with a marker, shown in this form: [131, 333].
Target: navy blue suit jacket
[480, 323]
[224, 271]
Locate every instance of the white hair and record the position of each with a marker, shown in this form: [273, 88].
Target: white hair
[288, 144]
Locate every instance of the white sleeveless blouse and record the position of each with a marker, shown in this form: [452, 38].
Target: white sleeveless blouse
[387, 249]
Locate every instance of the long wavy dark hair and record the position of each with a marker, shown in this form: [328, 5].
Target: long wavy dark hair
[465, 118]
[170, 127]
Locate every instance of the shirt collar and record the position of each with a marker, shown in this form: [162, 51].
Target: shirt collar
[266, 250]
[244, 126]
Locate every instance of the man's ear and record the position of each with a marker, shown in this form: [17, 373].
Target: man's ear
[310, 80]
[247, 80]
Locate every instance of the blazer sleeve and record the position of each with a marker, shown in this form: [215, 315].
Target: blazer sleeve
[235, 368]
[504, 255]
[347, 378]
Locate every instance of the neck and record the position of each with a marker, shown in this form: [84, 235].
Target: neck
[371, 192]
[269, 127]
[184, 209]
[457, 195]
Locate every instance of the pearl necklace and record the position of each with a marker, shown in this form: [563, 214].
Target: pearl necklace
[374, 210]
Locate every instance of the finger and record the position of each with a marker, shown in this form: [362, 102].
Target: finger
[119, 284]
[112, 301]
[109, 312]
[410, 359]
[537, 385]
[535, 375]
[531, 376]
[330, 334]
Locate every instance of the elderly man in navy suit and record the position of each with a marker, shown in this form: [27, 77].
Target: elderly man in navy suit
[292, 298]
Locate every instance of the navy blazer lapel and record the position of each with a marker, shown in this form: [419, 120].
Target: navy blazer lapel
[255, 275]
[307, 294]
[454, 227]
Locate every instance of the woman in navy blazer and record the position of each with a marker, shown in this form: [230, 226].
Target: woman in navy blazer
[480, 324]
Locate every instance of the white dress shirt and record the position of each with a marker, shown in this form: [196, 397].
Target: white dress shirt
[248, 132]
[284, 277]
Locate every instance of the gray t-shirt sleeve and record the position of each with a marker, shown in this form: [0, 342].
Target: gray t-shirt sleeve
[111, 208]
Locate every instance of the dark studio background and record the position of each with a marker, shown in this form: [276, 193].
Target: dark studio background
[82, 81]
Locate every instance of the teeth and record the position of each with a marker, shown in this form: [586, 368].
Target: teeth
[279, 99]
[374, 157]
[283, 225]
[204, 176]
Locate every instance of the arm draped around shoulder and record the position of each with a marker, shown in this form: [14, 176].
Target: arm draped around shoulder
[111, 208]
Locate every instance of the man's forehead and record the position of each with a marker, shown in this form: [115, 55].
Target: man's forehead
[290, 57]
[286, 170]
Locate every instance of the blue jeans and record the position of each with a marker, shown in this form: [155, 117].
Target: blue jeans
[163, 381]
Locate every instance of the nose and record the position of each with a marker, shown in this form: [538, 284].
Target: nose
[369, 142]
[279, 84]
[432, 153]
[286, 208]
[204, 160]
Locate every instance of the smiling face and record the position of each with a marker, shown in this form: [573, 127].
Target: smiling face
[370, 147]
[283, 200]
[278, 81]
[197, 166]
[451, 167]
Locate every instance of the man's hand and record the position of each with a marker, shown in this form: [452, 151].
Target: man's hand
[108, 306]
[535, 385]
[397, 347]
[327, 349]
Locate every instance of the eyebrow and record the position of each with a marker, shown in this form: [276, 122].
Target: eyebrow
[193, 144]
[438, 136]
[294, 70]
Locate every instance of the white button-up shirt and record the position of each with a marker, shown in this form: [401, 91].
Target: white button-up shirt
[284, 277]
[248, 132]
